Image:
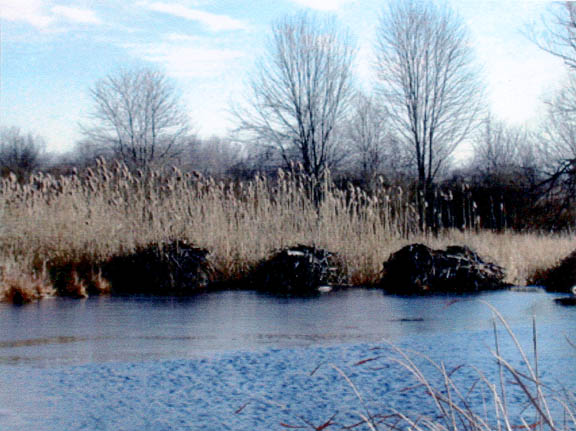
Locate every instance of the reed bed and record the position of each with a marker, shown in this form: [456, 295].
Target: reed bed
[101, 212]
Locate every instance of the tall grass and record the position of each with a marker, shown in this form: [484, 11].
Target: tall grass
[107, 210]
[515, 398]
[511, 392]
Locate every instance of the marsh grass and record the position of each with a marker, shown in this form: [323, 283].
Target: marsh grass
[512, 399]
[90, 216]
[517, 400]
[21, 287]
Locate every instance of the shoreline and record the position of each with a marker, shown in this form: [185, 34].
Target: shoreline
[84, 278]
[83, 219]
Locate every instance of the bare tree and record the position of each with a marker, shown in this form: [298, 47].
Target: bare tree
[86, 152]
[20, 153]
[138, 116]
[371, 143]
[214, 156]
[558, 146]
[503, 151]
[428, 81]
[301, 91]
[557, 35]
[560, 125]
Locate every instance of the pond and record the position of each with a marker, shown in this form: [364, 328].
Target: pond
[136, 363]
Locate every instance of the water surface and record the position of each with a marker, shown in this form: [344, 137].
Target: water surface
[142, 363]
[66, 331]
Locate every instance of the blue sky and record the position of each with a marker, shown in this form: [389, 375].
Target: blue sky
[53, 51]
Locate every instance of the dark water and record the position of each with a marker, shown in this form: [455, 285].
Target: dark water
[61, 332]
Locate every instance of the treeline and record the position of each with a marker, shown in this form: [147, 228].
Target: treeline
[304, 112]
[470, 198]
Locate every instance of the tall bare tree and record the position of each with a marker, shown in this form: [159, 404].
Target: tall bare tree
[373, 147]
[301, 91]
[504, 151]
[559, 143]
[19, 152]
[559, 130]
[138, 116]
[560, 125]
[428, 81]
[557, 35]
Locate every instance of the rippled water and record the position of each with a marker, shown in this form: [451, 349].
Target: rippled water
[55, 346]
[60, 331]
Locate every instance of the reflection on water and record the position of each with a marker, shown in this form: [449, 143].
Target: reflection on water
[61, 332]
[40, 392]
[40, 341]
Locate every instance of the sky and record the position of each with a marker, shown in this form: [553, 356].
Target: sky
[53, 51]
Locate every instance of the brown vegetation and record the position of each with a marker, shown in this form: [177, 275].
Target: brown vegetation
[560, 278]
[20, 287]
[71, 224]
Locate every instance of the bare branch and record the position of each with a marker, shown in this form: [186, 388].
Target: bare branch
[301, 91]
[373, 147]
[20, 153]
[502, 151]
[138, 116]
[558, 33]
[427, 80]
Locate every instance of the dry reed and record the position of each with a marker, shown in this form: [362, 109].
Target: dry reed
[513, 399]
[20, 287]
[109, 210]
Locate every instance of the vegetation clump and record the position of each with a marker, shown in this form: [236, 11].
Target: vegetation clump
[298, 270]
[174, 268]
[417, 269]
[560, 278]
[77, 277]
[80, 227]
[18, 288]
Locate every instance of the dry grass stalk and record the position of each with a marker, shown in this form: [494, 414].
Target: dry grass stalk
[517, 400]
[19, 287]
[108, 210]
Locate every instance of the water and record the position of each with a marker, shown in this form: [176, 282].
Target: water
[58, 351]
[62, 332]
[58, 332]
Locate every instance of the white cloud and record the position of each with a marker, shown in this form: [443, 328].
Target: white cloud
[40, 14]
[29, 11]
[179, 37]
[213, 21]
[328, 5]
[184, 60]
[77, 15]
